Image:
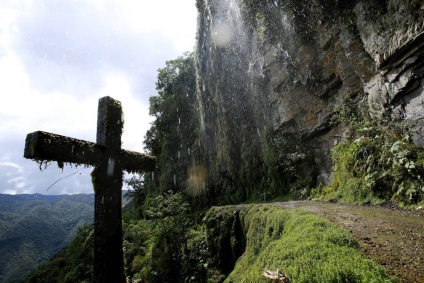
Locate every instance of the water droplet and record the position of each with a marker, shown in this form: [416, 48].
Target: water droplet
[179, 154]
[103, 200]
[259, 133]
[153, 176]
[110, 166]
[72, 150]
[188, 151]
[204, 88]
[175, 180]
[179, 120]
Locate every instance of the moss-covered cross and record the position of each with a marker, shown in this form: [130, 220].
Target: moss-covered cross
[109, 161]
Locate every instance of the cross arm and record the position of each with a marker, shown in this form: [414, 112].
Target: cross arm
[43, 146]
[136, 162]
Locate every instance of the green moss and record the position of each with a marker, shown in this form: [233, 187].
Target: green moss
[221, 240]
[303, 246]
[261, 27]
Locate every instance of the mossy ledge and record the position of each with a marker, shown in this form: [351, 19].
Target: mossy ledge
[300, 244]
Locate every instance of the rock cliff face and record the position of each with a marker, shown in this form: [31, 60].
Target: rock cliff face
[271, 73]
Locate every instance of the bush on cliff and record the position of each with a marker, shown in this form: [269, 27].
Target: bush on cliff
[375, 161]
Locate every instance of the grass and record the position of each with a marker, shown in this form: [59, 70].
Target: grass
[305, 247]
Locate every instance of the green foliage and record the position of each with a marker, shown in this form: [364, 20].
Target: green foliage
[303, 246]
[290, 165]
[195, 256]
[172, 135]
[165, 247]
[72, 264]
[374, 162]
[137, 194]
[165, 206]
[137, 248]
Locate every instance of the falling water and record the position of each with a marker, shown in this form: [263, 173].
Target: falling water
[223, 28]
[226, 25]
[234, 56]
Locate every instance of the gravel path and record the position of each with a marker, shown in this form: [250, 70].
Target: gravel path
[392, 237]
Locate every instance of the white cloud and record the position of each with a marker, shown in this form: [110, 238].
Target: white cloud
[11, 174]
[10, 164]
[136, 113]
[57, 58]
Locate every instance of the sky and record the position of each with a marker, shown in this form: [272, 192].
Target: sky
[58, 57]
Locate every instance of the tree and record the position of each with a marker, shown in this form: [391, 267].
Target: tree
[172, 136]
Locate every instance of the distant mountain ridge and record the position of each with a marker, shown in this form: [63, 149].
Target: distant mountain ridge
[11, 201]
[34, 227]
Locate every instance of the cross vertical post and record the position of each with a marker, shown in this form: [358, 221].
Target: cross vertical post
[109, 161]
[107, 184]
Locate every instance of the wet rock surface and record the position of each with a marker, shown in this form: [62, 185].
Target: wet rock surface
[273, 66]
[391, 236]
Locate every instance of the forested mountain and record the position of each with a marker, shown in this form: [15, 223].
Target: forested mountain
[34, 227]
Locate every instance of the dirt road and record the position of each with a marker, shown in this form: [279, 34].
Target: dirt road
[392, 237]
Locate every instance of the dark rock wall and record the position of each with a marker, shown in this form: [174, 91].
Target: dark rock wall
[282, 66]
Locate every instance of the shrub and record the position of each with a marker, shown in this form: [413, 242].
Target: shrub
[375, 161]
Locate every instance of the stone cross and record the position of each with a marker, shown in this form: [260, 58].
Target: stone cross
[109, 161]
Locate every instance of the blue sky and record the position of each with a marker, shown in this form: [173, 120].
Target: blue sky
[58, 57]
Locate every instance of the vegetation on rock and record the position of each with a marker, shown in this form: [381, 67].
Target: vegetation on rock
[375, 161]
